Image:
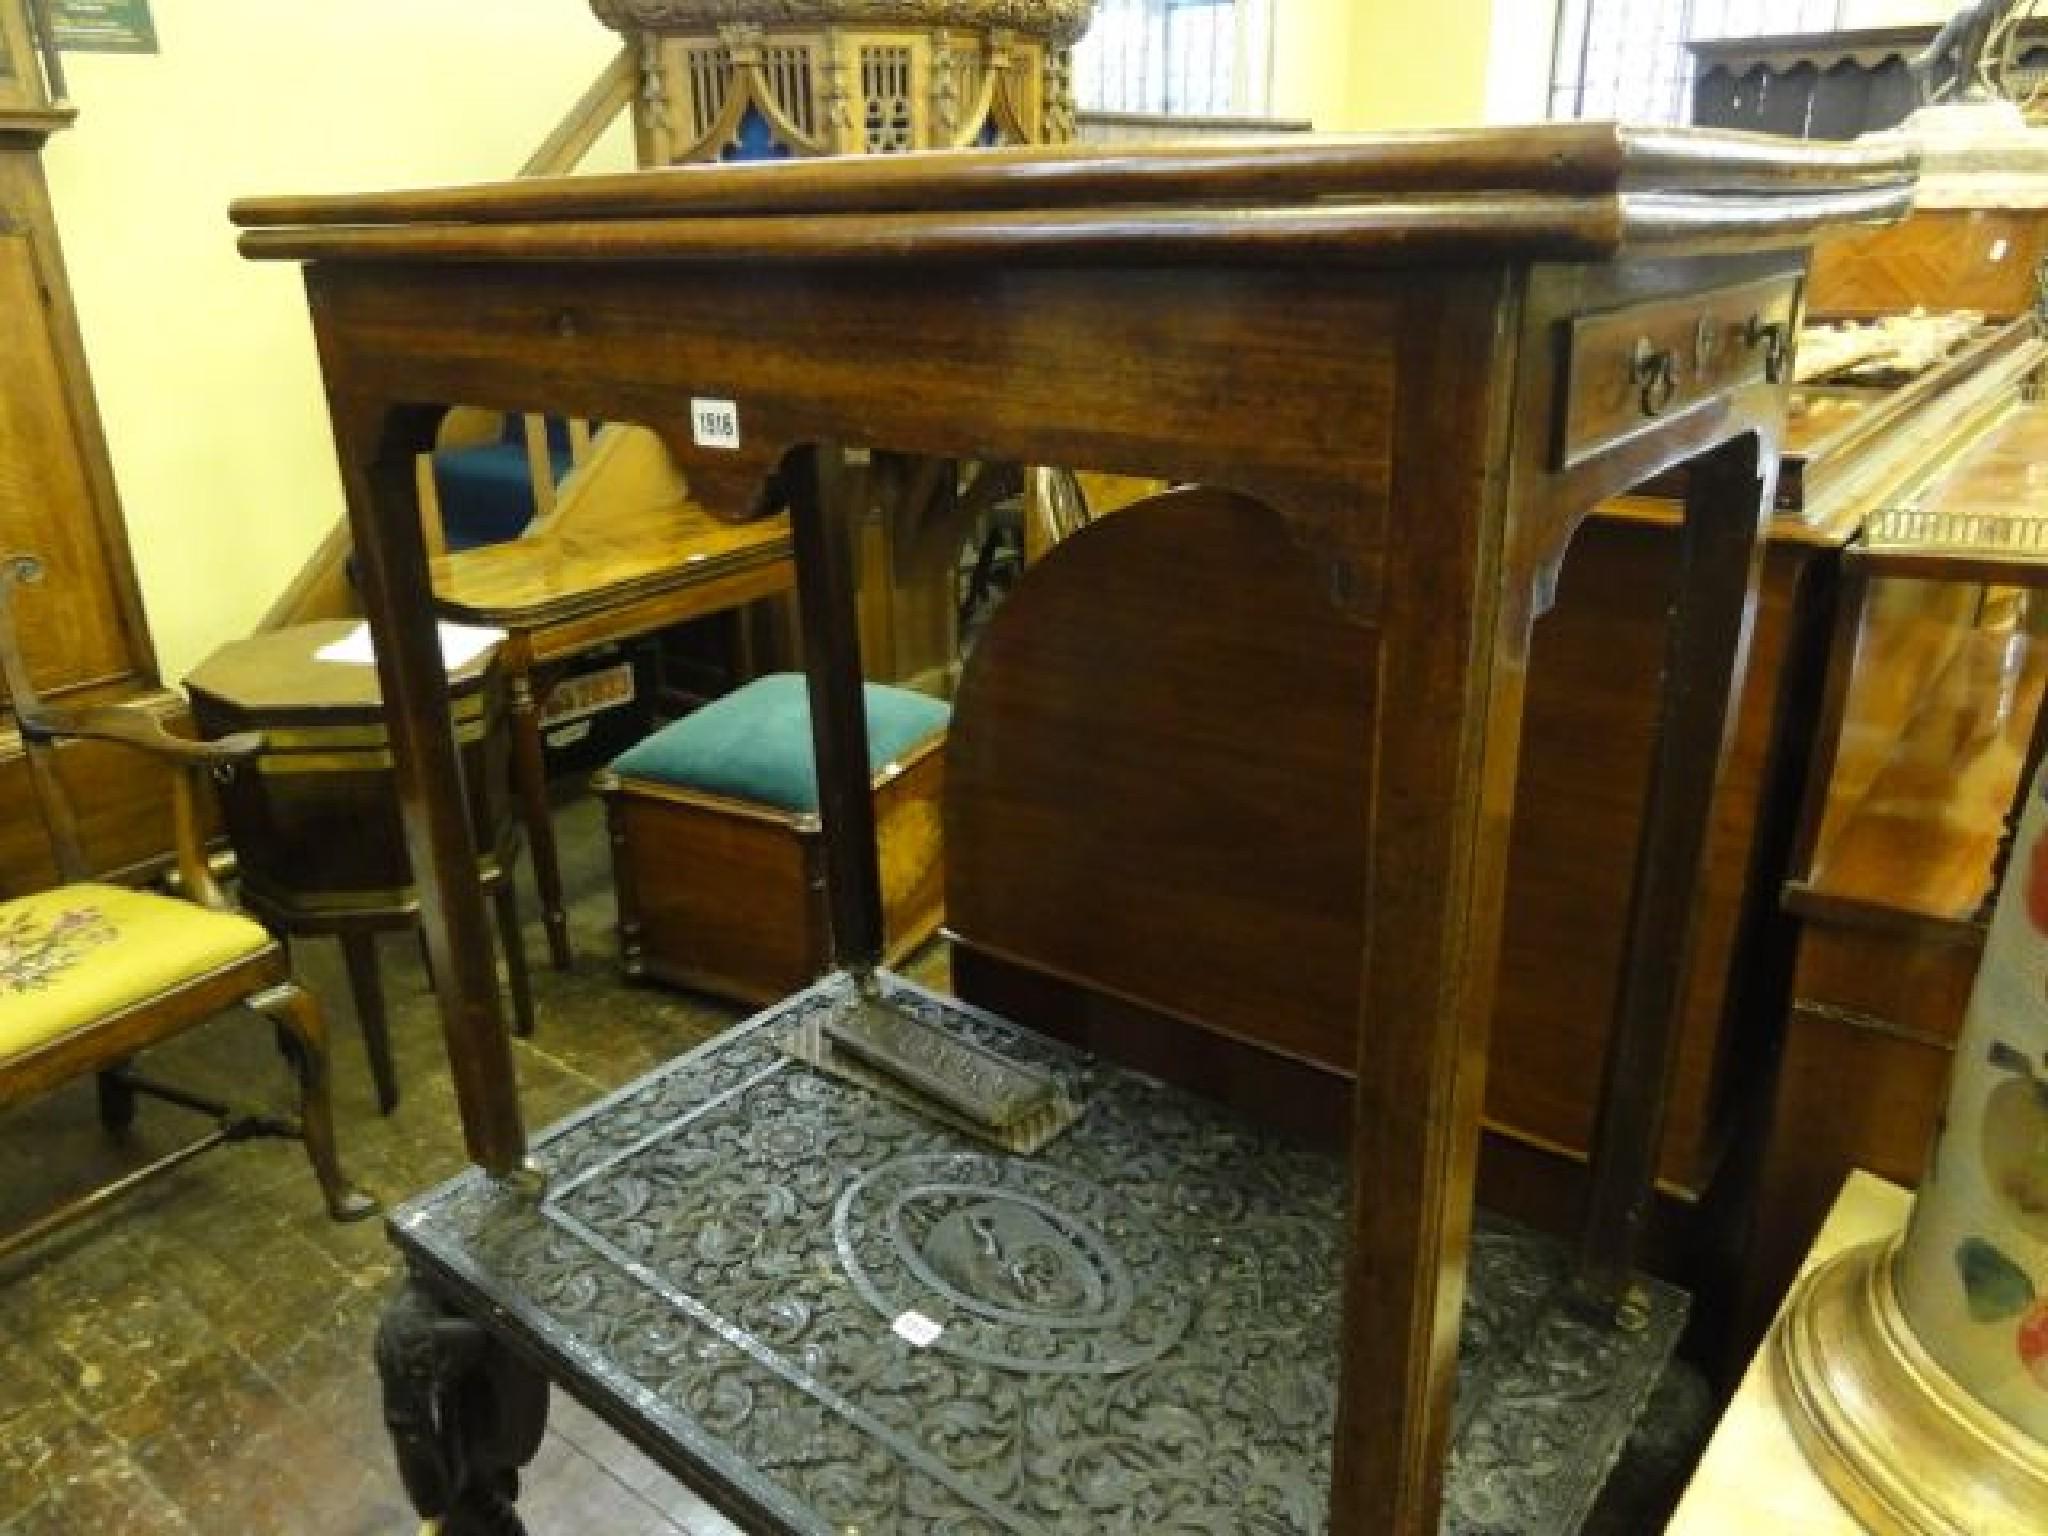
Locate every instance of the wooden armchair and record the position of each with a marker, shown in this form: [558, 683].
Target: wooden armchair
[91, 973]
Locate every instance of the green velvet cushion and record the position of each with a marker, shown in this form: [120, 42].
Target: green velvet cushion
[755, 743]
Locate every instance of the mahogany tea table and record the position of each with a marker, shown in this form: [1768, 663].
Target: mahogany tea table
[1419, 359]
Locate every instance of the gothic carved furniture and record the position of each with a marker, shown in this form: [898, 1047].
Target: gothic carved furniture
[578, 585]
[718, 855]
[1408, 367]
[314, 817]
[57, 497]
[93, 974]
[830, 77]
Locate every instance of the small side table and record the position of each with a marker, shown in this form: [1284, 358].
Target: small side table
[316, 826]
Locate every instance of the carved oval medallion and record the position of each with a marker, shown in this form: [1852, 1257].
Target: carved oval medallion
[1024, 1267]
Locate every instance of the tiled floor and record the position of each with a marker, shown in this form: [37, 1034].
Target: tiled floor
[195, 1359]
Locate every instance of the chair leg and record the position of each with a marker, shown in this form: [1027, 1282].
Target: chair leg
[366, 987]
[507, 899]
[117, 1100]
[304, 1034]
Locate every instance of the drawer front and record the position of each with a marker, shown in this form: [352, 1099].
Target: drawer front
[1628, 371]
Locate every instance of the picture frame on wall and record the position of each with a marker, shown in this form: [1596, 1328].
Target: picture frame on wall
[102, 26]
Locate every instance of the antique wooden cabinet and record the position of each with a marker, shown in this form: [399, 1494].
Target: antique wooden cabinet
[57, 501]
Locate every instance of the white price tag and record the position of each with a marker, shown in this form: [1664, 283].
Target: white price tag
[916, 1329]
[714, 423]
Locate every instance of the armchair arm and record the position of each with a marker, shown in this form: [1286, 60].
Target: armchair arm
[135, 728]
[130, 727]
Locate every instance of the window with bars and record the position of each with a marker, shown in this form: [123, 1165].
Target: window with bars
[1628, 59]
[1180, 58]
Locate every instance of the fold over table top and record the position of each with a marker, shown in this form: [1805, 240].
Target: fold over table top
[1564, 191]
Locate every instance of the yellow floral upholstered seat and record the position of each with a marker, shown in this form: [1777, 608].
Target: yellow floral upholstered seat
[72, 957]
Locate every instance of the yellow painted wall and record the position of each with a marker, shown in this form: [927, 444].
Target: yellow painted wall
[1351, 65]
[203, 362]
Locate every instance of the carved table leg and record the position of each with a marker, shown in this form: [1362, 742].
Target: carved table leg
[463, 1412]
[530, 779]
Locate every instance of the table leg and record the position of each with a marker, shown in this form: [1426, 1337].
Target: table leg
[821, 536]
[1720, 547]
[464, 1414]
[1451, 657]
[366, 990]
[530, 780]
[375, 442]
[507, 899]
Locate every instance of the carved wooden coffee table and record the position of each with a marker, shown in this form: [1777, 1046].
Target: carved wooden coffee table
[844, 1315]
[1414, 361]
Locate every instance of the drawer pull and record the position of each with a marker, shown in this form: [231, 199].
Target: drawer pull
[1656, 370]
[1771, 336]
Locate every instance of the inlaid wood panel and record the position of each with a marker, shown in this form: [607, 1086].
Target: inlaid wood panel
[1980, 259]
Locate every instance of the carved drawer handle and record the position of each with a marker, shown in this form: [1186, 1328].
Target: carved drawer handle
[1655, 369]
[1770, 335]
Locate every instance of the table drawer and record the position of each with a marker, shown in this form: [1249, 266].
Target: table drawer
[1629, 370]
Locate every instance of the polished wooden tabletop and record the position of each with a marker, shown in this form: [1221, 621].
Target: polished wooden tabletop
[1563, 190]
[525, 583]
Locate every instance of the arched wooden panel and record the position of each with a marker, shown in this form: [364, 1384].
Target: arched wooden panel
[1154, 775]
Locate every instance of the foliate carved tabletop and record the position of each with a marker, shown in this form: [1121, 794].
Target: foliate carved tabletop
[745, 1260]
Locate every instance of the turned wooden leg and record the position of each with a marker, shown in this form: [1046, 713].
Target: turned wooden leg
[464, 1414]
[303, 1033]
[366, 988]
[507, 899]
[117, 1099]
[632, 949]
[530, 781]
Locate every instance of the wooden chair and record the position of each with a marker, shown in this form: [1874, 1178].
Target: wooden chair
[92, 973]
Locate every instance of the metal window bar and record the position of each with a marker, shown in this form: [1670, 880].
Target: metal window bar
[1177, 57]
[1628, 58]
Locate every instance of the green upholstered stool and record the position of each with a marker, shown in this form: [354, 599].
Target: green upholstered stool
[716, 845]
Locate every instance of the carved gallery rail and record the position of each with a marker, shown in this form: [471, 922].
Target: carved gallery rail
[1421, 358]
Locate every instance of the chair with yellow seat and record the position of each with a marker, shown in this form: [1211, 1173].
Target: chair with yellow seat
[91, 974]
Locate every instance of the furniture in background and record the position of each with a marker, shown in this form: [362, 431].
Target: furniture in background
[1443, 384]
[1833, 85]
[579, 585]
[1928, 704]
[718, 852]
[1753, 1476]
[93, 974]
[314, 817]
[493, 477]
[57, 497]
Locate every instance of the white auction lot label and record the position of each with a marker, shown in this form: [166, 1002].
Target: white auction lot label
[714, 423]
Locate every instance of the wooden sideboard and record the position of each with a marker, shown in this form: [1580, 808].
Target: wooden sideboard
[57, 501]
